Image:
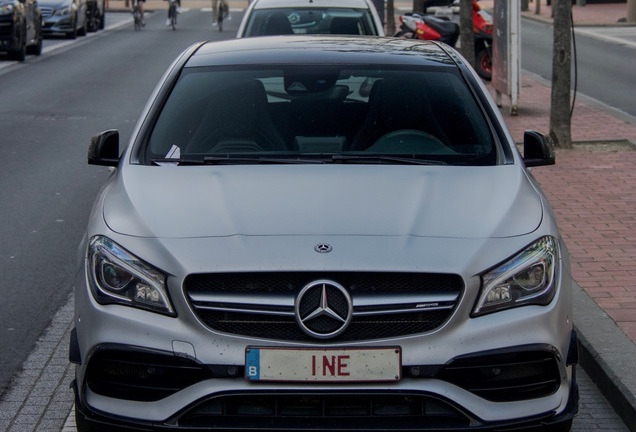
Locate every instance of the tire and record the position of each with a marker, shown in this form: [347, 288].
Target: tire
[73, 33]
[37, 48]
[102, 18]
[562, 427]
[82, 30]
[20, 53]
[92, 23]
[483, 63]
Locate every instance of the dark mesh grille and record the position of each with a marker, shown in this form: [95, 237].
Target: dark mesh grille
[292, 282]
[396, 412]
[377, 326]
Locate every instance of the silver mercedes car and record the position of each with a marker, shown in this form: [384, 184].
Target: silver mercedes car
[322, 233]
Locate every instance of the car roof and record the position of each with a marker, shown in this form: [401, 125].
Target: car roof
[323, 49]
[271, 4]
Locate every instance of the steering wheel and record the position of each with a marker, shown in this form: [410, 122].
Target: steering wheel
[410, 141]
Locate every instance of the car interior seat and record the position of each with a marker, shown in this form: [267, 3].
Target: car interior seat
[237, 120]
[394, 104]
[344, 26]
[277, 24]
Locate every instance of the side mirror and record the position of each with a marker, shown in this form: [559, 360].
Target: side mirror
[104, 149]
[538, 149]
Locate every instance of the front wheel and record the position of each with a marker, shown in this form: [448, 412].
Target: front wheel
[20, 53]
[91, 17]
[37, 48]
[73, 33]
[483, 63]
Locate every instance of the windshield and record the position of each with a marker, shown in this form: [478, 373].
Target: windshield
[283, 21]
[303, 114]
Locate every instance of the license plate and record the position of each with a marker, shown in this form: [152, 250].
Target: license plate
[323, 365]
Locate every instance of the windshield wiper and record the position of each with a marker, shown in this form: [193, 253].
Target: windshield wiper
[176, 161]
[326, 159]
[230, 160]
[339, 158]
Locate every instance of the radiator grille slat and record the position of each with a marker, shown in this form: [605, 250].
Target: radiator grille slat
[253, 319]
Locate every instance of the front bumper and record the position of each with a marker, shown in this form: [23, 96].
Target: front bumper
[442, 416]
[57, 25]
[8, 37]
[456, 396]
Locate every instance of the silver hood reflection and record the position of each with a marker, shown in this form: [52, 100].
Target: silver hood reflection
[356, 200]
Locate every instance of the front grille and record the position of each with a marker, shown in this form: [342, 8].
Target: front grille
[325, 411]
[46, 11]
[385, 305]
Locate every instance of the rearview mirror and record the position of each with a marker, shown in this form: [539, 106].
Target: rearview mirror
[538, 149]
[104, 149]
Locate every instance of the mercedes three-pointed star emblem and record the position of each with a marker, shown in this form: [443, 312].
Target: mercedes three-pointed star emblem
[323, 309]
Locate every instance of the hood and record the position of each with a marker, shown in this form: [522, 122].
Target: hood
[55, 4]
[295, 200]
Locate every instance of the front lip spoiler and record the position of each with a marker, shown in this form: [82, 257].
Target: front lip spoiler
[99, 422]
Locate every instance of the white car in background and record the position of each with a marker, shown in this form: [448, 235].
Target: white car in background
[281, 17]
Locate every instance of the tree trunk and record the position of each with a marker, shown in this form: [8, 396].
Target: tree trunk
[560, 114]
[537, 7]
[390, 17]
[466, 34]
[524, 5]
[631, 11]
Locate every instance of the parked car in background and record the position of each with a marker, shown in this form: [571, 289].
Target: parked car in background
[64, 17]
[280, 17]
[322, 233]
[20, 28]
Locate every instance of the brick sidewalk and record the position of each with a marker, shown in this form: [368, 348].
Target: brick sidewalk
[592, 190]
[593, 194]
[590, 122]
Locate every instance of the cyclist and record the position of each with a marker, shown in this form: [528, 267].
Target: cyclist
[220, 11]
[214, 6]
[140, 5]
[178, 10]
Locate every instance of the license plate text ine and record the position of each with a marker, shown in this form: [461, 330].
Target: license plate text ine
[323, 365]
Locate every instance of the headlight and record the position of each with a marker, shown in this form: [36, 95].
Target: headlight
[528, 278]
[6, 9]
[63, 11]
[118, 277]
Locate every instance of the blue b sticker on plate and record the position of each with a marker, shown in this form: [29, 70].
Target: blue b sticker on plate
[252, 364]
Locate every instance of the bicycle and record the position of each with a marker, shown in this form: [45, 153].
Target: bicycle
[172, 14]
[137, 17]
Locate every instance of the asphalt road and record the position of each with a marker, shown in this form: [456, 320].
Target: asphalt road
[51, 105]
[605, 61]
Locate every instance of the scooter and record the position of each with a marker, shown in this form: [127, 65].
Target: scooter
[430, 27]
[482, 28]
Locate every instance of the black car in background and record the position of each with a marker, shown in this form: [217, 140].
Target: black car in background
[20, 28]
